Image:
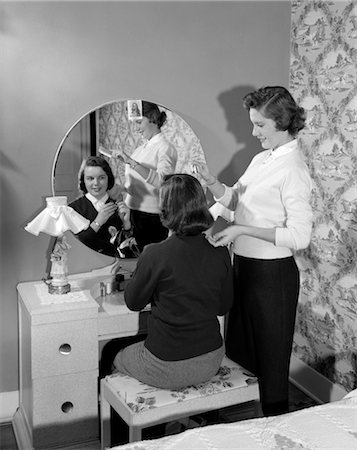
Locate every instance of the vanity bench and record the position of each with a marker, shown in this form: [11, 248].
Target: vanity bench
[142, 406]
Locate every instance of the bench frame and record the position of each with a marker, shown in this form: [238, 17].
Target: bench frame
[162, 414]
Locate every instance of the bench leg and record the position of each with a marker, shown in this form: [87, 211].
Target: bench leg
[104, 424]
[135, 434]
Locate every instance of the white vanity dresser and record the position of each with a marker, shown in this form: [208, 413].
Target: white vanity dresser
[59, 354]
[60, 341]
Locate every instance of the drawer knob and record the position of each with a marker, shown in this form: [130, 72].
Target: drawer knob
[67, 407]
[65, 349]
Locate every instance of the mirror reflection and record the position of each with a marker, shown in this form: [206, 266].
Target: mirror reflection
[110, 165]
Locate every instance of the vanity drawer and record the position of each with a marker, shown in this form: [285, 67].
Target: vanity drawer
[65, 409]
[65, 347]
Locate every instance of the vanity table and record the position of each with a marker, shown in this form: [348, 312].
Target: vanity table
[59, 355]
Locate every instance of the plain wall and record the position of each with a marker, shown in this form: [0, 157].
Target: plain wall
[62, 59]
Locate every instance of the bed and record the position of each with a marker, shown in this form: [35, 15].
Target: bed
[328, 426]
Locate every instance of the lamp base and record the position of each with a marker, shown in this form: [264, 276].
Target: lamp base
[59, 289]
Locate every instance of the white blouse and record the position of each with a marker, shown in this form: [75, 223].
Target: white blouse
[274, 192]
[160, 157]
[98, 204]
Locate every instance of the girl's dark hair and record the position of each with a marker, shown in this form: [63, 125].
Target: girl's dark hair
[183, 205]
[95, 161]
[152, 112]
[276, 103]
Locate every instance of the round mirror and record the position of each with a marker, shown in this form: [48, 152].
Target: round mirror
[111, 126]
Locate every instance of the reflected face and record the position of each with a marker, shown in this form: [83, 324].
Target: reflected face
[145, 127]
[265, 130]
[96, 181]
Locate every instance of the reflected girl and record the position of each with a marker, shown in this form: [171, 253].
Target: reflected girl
[109, 220]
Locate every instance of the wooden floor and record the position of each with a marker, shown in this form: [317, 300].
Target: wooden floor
[298, 400]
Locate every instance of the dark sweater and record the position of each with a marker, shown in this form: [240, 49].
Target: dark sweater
[189, 283]
[99, 241]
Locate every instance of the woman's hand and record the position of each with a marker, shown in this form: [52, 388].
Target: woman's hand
[107, 211]
[203, 170]
[124, 156]
[229, 234]
[226, 236]
[212, 183]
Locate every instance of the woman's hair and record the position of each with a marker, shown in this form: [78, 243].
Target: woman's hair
[95, 161]
[276, 103]
[152, 112]
[183, 205]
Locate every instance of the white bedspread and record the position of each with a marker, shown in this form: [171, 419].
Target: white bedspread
[329, 426]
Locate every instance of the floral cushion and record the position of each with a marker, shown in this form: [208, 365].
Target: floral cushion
[140, 397]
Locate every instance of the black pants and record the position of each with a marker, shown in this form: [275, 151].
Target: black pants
[261, 325]
[147, 228]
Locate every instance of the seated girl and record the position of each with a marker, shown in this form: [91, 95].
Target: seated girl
[110, 221]
[188, 283]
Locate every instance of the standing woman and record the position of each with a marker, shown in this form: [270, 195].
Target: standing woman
[144, 173]
[273, 219]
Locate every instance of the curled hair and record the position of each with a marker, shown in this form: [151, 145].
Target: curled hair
[183, 205]
[95, 161]
[276, 103]
[153, 113]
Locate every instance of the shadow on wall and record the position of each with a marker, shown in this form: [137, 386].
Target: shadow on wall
[239, 125]
[316, 387]
[326, 366]
[10, 170]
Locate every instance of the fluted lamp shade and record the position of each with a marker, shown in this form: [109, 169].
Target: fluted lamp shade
[55, 220]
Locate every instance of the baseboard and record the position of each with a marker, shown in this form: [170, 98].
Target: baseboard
[313, 383]
[9, 402]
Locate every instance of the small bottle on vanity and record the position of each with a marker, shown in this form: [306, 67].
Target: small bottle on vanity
[119, 281]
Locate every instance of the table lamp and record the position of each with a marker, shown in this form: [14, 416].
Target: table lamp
[55, 220]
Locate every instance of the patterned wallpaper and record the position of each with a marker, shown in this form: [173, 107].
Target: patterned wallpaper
[116, 131]
[323, 79]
